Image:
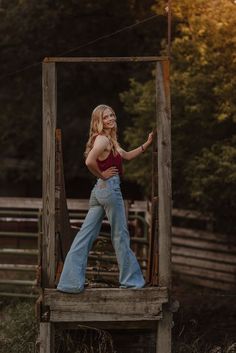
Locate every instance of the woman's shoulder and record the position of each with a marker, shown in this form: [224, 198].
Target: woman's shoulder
[101, 139]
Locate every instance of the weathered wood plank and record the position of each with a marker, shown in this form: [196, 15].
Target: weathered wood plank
[103, 304]
[153, 253]
[108, 325]
[149, 292]
[203, 254]
[204, 263]
[205, 273]
[73, 204]
[49, 126]
[204, 244]
[62, 214]
[69, 316]
[105, 59]
[47, 337]
[164, 333]
[17, 267]
[203, 235]
[164, 172]
[190, 214]
[18, 282]
[204, 282]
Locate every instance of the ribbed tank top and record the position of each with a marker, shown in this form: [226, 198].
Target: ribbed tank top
[111, 161]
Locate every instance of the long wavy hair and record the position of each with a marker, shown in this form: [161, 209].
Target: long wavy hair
[97, 128]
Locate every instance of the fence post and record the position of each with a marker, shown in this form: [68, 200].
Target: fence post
[164, 198]
[49, 126]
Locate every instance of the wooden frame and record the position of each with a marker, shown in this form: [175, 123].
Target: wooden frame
[163, 210]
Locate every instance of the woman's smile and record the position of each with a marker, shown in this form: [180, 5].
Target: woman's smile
[109, 119]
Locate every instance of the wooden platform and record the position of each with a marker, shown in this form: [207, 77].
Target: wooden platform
[106, 305]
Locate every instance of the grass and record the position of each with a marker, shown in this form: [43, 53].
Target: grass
[18, 326]
[85, 340]
[205, 323]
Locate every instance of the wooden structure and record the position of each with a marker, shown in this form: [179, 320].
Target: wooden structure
[112, 308]
[199, 255]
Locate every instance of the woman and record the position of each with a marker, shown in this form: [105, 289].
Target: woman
[104, 160]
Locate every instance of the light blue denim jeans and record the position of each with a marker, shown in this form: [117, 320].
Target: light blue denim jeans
[106, 198]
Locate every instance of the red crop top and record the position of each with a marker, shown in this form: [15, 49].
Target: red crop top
[111, 161]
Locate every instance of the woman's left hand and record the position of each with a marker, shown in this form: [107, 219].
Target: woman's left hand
[150, 138]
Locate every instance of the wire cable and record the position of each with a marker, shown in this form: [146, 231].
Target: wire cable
[106, 36]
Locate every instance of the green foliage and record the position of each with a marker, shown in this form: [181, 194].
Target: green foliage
[136, 102]
[203, 87]
[212, 182]
[18, 329]
[31, 30]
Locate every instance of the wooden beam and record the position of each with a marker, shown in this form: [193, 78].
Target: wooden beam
[164, 333]
[204, 282]
[109, 325]
[204, 263]
[48, 217]
[163, 340]
[203, 254]
[47, 337]
[164, 173]
[102, 304]
[106, 59]
[62, 226]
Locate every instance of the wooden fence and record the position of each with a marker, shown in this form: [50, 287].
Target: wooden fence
[20, 234]
[199, 255]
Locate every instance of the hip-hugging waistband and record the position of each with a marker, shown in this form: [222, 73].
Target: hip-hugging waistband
[114, 180]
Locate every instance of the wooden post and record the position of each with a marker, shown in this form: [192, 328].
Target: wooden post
[152, 275]
[47, 337]
[165, 199]
[48, 220]
[62, 222]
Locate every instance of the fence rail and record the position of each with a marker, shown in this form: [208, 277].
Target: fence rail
[204, 258]
[199, 256]
[20, 227]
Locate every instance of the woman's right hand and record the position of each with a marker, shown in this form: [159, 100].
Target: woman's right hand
[108, 173]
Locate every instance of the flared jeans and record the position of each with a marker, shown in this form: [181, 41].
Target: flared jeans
[106, 199]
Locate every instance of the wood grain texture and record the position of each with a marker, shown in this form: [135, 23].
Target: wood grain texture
[62, 226]
[203, 235]
[109, 325]
[48, 219]
[203, 254]
[205, 273]
[204, 244]
[164, 333]
[204, 263]
[105, 59]
[164, 173]
[103, 304]
[46, 337]
[152, 273]
[204, 282]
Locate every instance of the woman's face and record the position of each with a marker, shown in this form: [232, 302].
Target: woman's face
[109, 119]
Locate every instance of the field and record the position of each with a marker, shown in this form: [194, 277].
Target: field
[204, 323]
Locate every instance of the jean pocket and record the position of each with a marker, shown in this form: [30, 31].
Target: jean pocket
[103, 190]
[103, 193]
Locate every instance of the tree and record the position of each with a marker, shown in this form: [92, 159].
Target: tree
[31, 30]
[203, 86]
[212, 182]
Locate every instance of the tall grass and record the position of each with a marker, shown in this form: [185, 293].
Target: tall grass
[18, 327]
[19, 331]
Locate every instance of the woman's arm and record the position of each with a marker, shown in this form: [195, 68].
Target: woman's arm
[100, 144]
[137, 151]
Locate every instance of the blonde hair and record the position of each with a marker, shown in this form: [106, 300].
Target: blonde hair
[97, 128]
